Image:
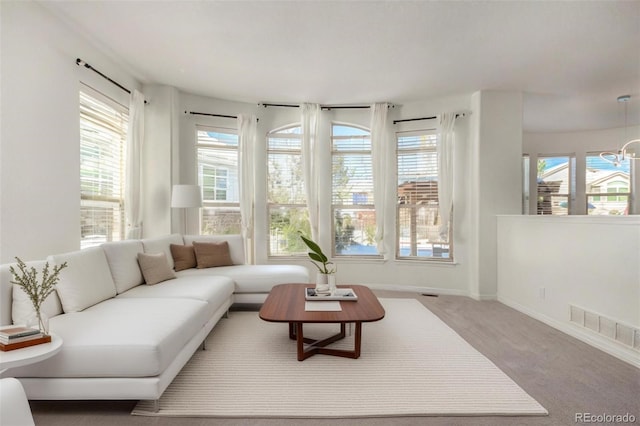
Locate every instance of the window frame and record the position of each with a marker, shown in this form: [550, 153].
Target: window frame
[117, 227]
[571, 187]
[366, 207]
[282, 132]
[606, 196]
[450, 249]
[216, 204]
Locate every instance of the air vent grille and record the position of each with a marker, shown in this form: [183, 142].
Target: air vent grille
[615, 330]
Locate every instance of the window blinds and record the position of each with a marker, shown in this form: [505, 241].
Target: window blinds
[103, 132]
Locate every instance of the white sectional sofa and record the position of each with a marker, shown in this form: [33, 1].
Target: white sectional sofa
[124, 339]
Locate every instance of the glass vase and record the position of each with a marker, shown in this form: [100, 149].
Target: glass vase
[39, 320]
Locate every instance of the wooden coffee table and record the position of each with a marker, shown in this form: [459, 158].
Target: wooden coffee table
[285, 303]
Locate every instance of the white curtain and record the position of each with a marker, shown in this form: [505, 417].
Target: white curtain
[445, 171]
[133, 173]
[381, 153]
[310, 117]
[247, 125]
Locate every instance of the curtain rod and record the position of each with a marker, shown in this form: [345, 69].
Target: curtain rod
[325, 107]
[460, 114]
[82, 63]
[213, 115]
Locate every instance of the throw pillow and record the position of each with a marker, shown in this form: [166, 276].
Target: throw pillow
[155, 268]
[86, 282]
[212, 254]
[184, 257]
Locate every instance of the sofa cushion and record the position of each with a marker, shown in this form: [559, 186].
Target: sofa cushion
[162, 245]
[155, 268]
[184, 257]
[212, 254]
[121, 337]
[215, 290]
[85, 281]
[21, 306]
[254, 278]
[123, 262]
[236, 244]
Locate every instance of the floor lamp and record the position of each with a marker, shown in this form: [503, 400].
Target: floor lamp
[184, 197]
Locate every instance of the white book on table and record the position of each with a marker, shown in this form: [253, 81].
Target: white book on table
[327, 306]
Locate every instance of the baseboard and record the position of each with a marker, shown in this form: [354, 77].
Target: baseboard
[418, 289]
[609, 346]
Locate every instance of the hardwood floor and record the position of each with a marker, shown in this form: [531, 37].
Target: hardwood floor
[565, 375]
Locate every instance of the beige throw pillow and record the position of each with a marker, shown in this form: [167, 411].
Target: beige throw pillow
[212, 254]
[155, 268]
[184, 257]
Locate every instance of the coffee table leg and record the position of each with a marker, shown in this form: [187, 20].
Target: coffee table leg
[358, 339]
[300, 341]
[292, 331]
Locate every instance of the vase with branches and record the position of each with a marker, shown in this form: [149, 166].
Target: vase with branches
[37, 290]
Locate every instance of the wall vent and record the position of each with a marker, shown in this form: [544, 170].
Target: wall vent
[615, 330]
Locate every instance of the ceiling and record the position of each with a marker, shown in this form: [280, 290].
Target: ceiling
[570, 59]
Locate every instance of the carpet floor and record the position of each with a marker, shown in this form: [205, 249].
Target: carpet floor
[412, 364]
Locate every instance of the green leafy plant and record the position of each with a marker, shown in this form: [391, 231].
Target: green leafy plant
[316, 255]
[37, 291]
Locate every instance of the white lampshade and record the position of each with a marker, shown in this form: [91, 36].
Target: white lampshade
[185, 196]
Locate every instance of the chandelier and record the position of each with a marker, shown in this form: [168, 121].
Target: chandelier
[631, 149]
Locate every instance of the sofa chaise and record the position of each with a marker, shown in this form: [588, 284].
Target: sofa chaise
[124, 338]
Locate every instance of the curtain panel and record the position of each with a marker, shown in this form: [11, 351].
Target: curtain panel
[381, 152]
[133, 186]
[309, 123]
[445, 149]
[247, 131]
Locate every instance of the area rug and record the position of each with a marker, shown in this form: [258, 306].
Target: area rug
[411, 364]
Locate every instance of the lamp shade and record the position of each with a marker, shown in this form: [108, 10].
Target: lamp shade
[184, 196]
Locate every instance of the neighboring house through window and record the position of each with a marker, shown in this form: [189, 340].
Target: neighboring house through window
[217, 155]
[604, 179]
[554, 184]
[103, 135]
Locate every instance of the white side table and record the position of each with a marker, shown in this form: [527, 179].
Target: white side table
[30, 354]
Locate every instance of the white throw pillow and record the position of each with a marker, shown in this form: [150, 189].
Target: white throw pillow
[21, 306]
[123, 262]
[85, 281]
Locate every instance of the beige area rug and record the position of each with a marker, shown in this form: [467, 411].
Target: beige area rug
[412, 364]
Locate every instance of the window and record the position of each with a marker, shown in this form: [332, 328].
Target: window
[353, 212]
[418, 217]
[525, 184]
[554, 185]
[217, 152]
[103, 135]
[286, 198]
[603, 178]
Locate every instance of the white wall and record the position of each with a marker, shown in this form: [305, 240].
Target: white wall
[546, 263]
[495, 180]
[39, 135]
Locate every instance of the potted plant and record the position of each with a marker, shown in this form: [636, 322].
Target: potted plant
[325, 278]
[37, 291]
